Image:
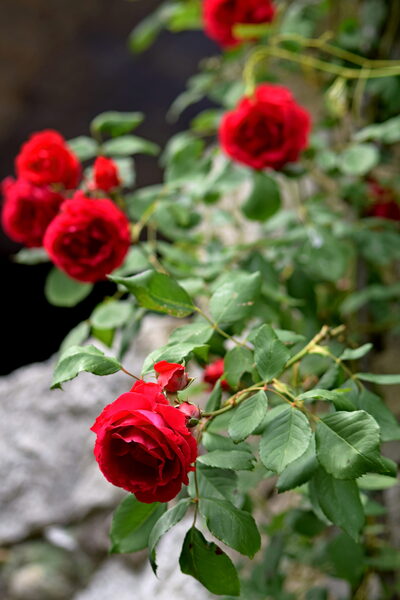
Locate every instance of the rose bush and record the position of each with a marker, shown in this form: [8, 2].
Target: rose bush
[89, 238]
[28, 210]
[45, 159]
[143, 444]
[267, 129]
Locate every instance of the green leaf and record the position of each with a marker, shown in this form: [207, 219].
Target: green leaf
[387, 132]
[83, 358]
[214, 441]
[164, 524]
[285, 438]
[237, 361]
[300, 470]
[359, 159]
[234, 299]
[115, 123]
[374, 481]
[357, 353]
[198, 333]
[214, 400]
[236, 460]
[207, 563]
[145, 33]
[132, 523]
[216, 483]
[270, 354]
[111, 314]
[235, 528]
[83, 147]
[323, 394]
[31, 256]
[265, 198]
[158, 292]
[129, 144]
[372, 404]
[76, 336]
[61, 290]
[248, 416]
[379, 379]
[340, 501]
[347, 443]
[174, 353]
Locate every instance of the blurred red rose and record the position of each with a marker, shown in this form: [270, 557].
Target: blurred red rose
[213, 372]
[143, 444]
[106, 175]
[45, 158]
[220, 16]
[28, 210]
[268, 129]
[384, 203]
[89, 238]
[171, 376]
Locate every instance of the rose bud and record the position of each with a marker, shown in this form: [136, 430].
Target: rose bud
[220, 17]
[191, 412]
[105, 173]
[45, 158]
[143, 444]
[266, 130]
[171, 376]
[213, 372]
[28, 210]
[89, 238]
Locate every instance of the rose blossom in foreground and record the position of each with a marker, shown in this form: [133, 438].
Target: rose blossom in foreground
[143, 444]
[213, 372]
[28, 210]
[268, 129]
[89, 238]
[105, 173]
[171, 376]
[45, 158]
[220, 16]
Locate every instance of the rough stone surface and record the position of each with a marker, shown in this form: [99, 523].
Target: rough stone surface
[116, 579]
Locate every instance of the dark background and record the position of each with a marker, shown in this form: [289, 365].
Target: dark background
[61, 63]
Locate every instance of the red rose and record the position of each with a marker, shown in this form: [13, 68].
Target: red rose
[213, 372]
[171, 376]
[143, 444]
[89, 238]
[27, 210]
[220, 16]
[45, 158]
[384, 204]
[106, 175]
[268, 129]
[191, 411]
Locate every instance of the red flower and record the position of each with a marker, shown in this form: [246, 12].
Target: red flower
[267, 130]
[106, 175]
[45, 158]
[27, 210]
[220, 16]
[89, 238]
[213, 372]
[143, 444]
[384, 204]
[191, 411]
[171, 376]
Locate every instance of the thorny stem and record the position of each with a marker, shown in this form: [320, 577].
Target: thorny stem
[130, 374]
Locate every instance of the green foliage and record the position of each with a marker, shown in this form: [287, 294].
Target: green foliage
[265, 198]
[82, 358]
[248, 417]
[166, 521]
[132, 523]
[234, 298]
[207, 563]
[115, 123]
[61, 290]
[270, 353]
